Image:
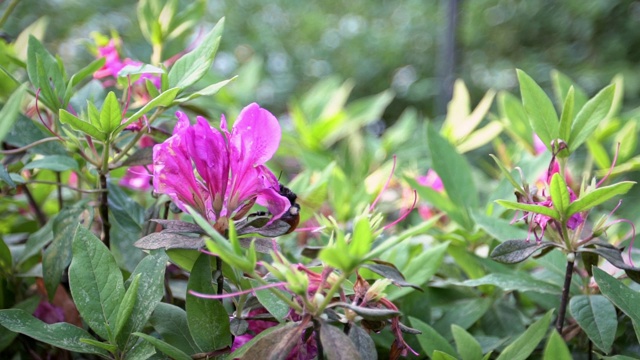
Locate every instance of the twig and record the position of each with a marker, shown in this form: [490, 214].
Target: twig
[565, 294]
[42, 219]
[59, 190]
[316, 330]
[86, 191]
[27, 147]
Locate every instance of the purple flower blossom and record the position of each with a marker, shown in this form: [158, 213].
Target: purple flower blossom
[538, 146]
[139, 177]
[432, 180]
[230, 175]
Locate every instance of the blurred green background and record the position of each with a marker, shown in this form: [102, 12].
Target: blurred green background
[382, 44]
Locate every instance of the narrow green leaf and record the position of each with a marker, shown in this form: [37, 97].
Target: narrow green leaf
[597, 317]
[10, 110]
[58, 255]
[96, 282]
[516, 119]
[518, 281]
[455, 172]
[162, 100]
[542, 115]
[507, 174]
[523, 346]
[430, 340]
[598, 196]
[81, 75]
[420, 269]
[150, 292]
[167, 349]
[439, 355]
[593, 112]
[559, 194]
[126, 307]
[337, 345]
[192, 66]
[170, 322]
[44, 72]
[621, 295]
[538, 209]
[566, 118]
[4, 176]
[208, 91]
[561, 86]
[468, 347]
[62, 335]
[53, 162]
[111, 114]
[556, 348]
[81, 125]
[6, 261]
[99, 344]
[94, 115]
[207, 318]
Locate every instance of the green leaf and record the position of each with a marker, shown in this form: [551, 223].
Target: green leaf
[463, 313]
[420, 269]
[597, 317]
[621, 295]
[593, 112]
[111, 114]
[518, 281]
[542, 115]
[6, 261]
[53, 162]
[149, 294]
[566, 118]
[556, 348]
[454, 171]
[271, 302]
[516, 119]
[208, 91]
[163, 100]
[102, 345]
[10, 110]
[559, 194]
[207, 318]
[126, 307]
[58, 255]
[81, 125]
[29, 306]
[96, 282]
[167, 349]
[272, 344]
[507, 174]
[538, 209]
[598, 196]
[439, 355]
[336, 344]
[170, 322]
[62, 335]
[430, 340]
[44, 72]
[81, 75]
[468, 347]
[192, 66]
[523, 346]
[515, 251]
[501, 229]
[4, 176]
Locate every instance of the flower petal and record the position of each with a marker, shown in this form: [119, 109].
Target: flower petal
[255, 136]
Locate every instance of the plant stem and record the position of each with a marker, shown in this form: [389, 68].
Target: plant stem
[29, 146]
[104, 197]
[142, 131]
[316, 330]
[331, 292]
[277, 293]
[12, 5]
[565, 295]
[59, 186]
[220, 279]
[42, 219]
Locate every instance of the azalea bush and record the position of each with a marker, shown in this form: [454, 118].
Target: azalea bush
[153, 209]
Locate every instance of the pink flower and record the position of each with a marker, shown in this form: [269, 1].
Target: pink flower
[230, 175]
[538, 146]
[113, 65]
[431, 180]
[139, 177]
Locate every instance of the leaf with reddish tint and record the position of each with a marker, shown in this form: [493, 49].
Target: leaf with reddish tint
[363, 343]
[276, 345]
[515, 251]
[336, 344]
[391, 272]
